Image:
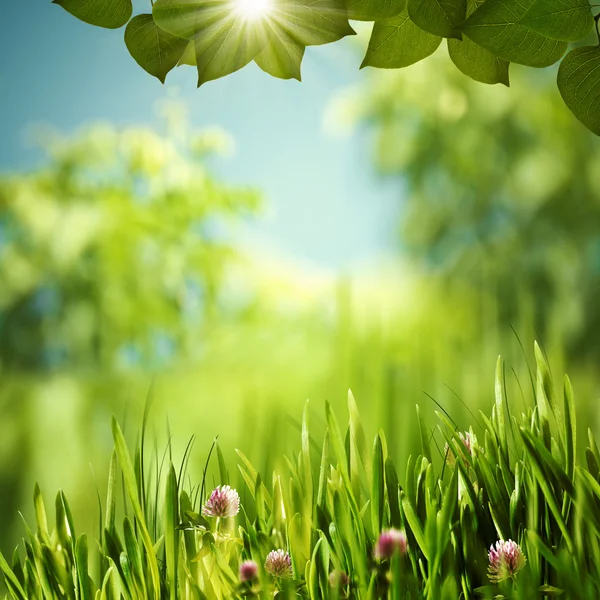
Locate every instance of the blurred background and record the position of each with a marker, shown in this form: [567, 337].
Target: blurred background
[233, 251]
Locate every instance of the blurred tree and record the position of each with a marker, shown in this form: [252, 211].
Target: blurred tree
[115, 251]
[500, 188]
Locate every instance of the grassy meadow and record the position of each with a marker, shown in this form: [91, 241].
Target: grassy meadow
[326, 503]
[222, 422]
[251, 390]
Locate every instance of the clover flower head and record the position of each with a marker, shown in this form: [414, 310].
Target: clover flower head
[506, 560]
[389, 542]
[279, 564]
[469, 440]
[338, 579]
[223, 502]
[248, 571]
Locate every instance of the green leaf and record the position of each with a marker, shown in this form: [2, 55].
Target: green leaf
[499, 394]
[544, 376]
[310, 22]
[313, 578]
[475, 61]
[425, 446]
[397, 43]
[110, 584]
[81, 553]
[305, 468]
[549, 497]
[111, 499]
[131, 487]
[496, 26]
[281, 57]
[374, 10]
[534, 538]
[252, 477]
[357, 434]
[440, 17]
[223, 473]
[40, 514]
[414, 523]
[58, 571]
[395, 570]
[371, 591]
[171, 531]
[110, 14]
[444, 518]
[223, 48]
[378, 486]
[154, 49]
[567, 20]
[340, 452]
[393, 488]
[543, 395]
[489, 591]
[183, 18]
[134, 558]
[41, 570]
[323, 470]
[338, 445]
[550, 590]
[570, 427]
[189, 55]
[226, 39]
[446, 514]
[500, 503]
[579, 85]
[63, 529]
[11, 579]
[536, 450]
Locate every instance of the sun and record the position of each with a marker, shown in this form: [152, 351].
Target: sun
[253, 9]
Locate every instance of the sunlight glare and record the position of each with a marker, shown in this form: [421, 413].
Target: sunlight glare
[253, 9]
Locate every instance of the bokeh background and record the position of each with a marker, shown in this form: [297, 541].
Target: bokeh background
[233, 251]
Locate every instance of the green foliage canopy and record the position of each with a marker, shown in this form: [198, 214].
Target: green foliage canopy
[116, 248]
[219, 37]
[514, 214]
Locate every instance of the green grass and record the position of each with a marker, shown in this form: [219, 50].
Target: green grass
[327, 505]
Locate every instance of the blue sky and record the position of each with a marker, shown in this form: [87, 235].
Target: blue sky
[327, 204]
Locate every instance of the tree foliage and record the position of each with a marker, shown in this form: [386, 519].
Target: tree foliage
[114, 250]
[219, 37]
[513, 213]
